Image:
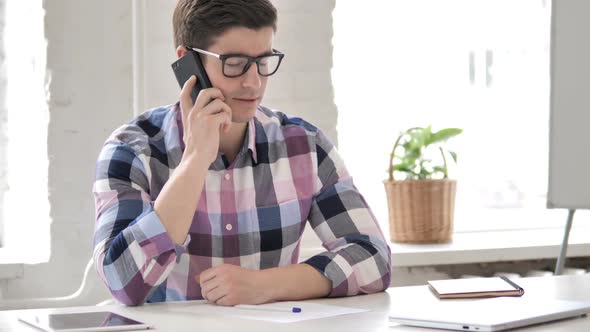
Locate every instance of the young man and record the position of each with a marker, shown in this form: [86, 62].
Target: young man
[209, 200]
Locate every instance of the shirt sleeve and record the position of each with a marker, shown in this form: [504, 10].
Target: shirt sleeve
[358, 259]
[133, 252]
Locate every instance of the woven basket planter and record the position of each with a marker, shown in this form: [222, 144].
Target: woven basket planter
[421, 211]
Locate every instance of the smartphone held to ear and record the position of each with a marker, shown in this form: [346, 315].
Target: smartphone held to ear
[188, 65]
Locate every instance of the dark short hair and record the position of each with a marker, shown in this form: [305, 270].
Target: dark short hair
[197, 23]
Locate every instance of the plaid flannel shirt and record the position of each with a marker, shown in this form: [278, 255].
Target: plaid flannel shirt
[251, 213]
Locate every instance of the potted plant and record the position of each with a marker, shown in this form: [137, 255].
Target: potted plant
[421, 205]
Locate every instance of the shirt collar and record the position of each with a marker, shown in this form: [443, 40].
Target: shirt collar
[251, 137]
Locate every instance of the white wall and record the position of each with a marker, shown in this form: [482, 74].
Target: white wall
[91, 61]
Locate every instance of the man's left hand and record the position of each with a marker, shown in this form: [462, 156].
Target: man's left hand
[230, 285]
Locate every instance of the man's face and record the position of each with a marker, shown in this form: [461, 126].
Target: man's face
[243, 93]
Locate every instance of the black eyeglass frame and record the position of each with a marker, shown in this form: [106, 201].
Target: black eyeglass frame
[257, 59]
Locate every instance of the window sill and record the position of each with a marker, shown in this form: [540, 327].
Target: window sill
[493, 246]
[11, 264]
[489, 246]
[469, 247]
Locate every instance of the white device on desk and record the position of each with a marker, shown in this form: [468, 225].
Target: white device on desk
[497, 314]
[82, 322]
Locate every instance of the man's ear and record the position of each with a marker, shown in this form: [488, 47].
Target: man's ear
[180, 51]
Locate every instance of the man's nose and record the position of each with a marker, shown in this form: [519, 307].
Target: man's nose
[251, 77]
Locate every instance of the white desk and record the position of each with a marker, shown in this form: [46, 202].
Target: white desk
[167, 317]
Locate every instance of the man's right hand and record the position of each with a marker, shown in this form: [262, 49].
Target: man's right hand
[203, 122]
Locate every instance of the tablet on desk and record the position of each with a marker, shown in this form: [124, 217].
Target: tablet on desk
[82, 322]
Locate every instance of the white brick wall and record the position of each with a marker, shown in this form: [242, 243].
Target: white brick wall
[303, 87]
[89, 59]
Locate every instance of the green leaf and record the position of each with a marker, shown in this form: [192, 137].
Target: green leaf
[453, 155]
[427, 136]
[402, 168]
[418, 137]
[439, 169]
[444, 134]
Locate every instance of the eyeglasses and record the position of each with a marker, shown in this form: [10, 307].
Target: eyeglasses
[234, 65]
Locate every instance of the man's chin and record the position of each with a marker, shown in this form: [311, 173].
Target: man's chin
[244, 115]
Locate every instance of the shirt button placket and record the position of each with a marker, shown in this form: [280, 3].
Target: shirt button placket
[231, 245]
[227, 186]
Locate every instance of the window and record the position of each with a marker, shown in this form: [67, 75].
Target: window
[480, 65]
[25, 208]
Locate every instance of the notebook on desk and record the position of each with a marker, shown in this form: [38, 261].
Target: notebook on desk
[495, 314]
[475, 287]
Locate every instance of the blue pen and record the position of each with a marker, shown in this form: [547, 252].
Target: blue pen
[267, 308]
